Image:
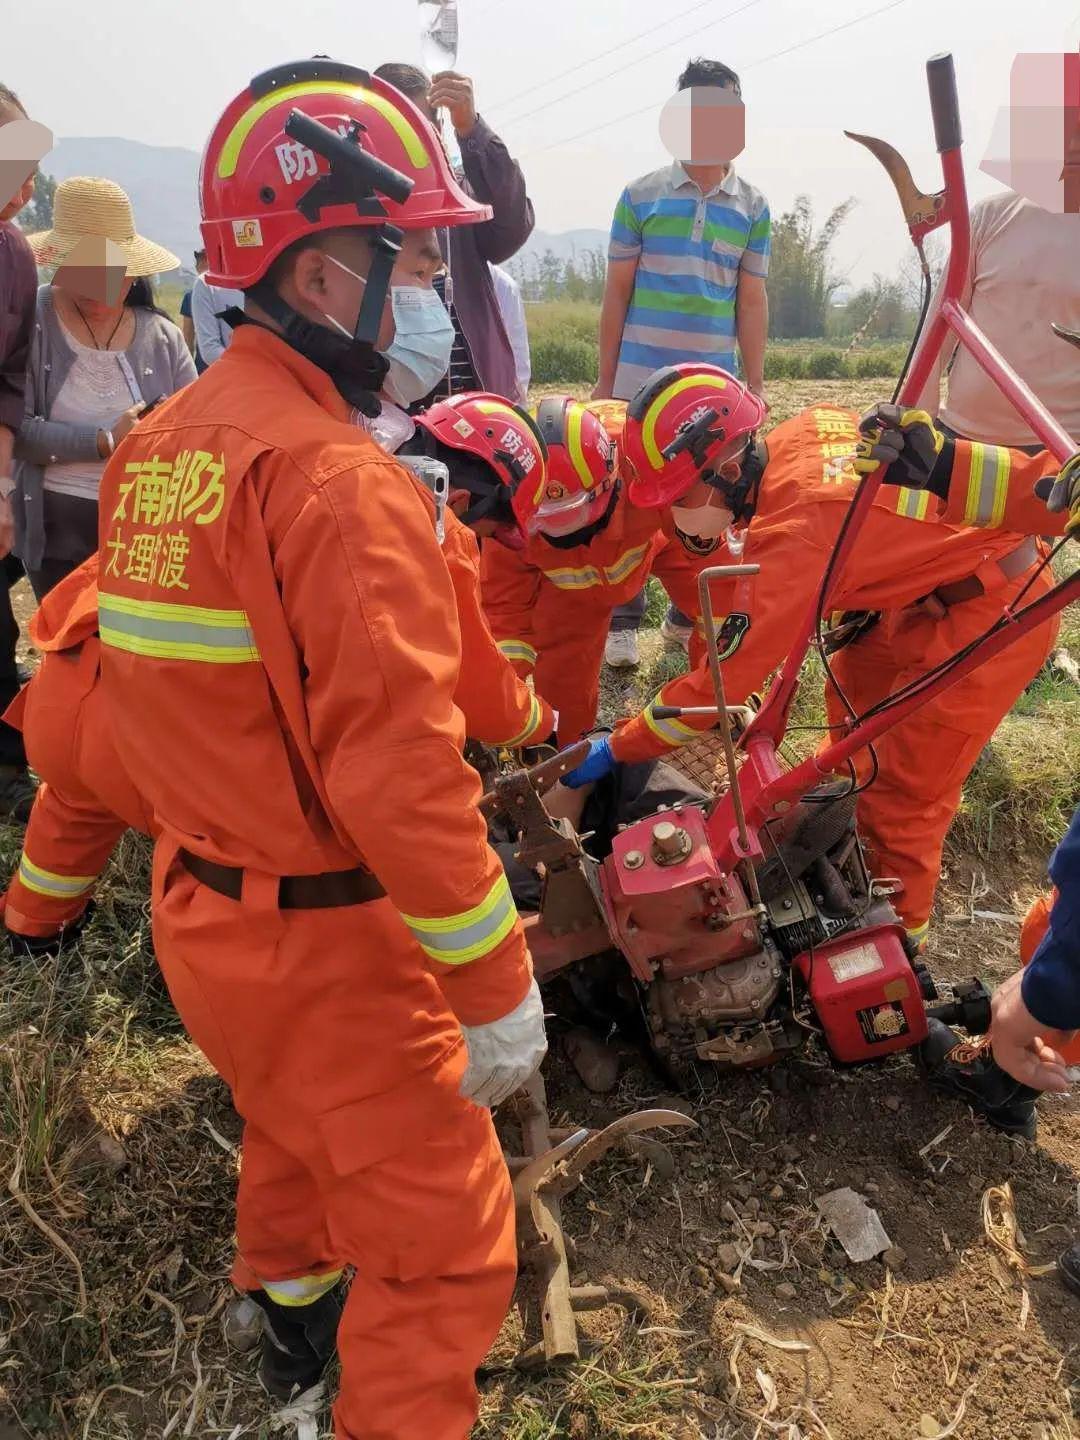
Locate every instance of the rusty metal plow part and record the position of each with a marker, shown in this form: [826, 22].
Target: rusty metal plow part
[921, 211]
[553, 1166]
[540, 779]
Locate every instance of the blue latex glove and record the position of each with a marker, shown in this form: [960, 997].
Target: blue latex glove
[598, 763]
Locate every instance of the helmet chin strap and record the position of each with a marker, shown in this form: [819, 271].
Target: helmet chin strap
[387, 247]
[741, 495]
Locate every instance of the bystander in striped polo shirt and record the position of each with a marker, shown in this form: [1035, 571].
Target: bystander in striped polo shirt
[690, 248]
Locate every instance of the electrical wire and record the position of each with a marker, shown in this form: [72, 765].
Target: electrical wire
[641, 59]
[762, 60]
[614, 49]
[927, 295]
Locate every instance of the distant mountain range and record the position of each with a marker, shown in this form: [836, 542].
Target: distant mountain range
[161, 180]
[163, 184]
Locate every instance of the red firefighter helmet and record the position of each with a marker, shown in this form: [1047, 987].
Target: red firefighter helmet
[684, 423]
[505, 438]
[318, 145]
[581, 466]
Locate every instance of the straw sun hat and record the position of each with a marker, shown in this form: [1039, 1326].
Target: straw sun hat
[90, 215]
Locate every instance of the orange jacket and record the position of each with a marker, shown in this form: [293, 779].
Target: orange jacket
[903, 553]
[499, 708]
[607, 571]
[992, 487]
[86, 801]
[281, 654]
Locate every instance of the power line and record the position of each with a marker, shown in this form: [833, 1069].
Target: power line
[632, 40]
[644, 109]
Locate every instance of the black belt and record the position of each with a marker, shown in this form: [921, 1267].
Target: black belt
[295, 892]
[1011, 566]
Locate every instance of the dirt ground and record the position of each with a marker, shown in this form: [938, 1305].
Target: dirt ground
[139, 1195]
[118, 1151]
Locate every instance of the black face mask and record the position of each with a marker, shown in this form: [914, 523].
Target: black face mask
[356, 368]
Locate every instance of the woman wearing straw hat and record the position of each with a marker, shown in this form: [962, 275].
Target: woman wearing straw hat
[101, 354]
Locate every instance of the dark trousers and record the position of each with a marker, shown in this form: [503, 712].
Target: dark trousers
[630, 615]
[51, 573]
[11, 741]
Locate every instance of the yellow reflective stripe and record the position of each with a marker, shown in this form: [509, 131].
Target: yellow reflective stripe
[913, 504]
[652, 415]
[498, 407]
[575, 415]
[518, 650]
[176, 632]
[672, 732]
[47, 882]
[918, 933]
[988, 484]
[568, 579]
[457, 939]
[536, 714]
[626, 564]
[160, 610]
[304, 1290]
[234, 143]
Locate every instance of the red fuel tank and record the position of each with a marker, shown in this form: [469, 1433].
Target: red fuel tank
[865, 993]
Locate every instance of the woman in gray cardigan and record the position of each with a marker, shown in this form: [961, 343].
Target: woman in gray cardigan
[97, 360]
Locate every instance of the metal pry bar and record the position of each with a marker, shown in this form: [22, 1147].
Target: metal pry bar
[725, 572]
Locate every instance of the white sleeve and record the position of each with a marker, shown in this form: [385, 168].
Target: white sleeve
[211, 336]
[512, 310]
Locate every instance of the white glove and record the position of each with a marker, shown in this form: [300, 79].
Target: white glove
[504, 1053]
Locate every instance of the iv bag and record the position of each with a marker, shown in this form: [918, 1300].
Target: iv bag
[438, 34]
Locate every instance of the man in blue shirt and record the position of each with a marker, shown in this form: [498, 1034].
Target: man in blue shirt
[687, 263]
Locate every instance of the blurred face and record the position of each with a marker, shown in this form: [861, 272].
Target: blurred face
[704, 125]
[98, 290]
[22, 144]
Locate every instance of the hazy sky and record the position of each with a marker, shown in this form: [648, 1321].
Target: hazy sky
[550, 73]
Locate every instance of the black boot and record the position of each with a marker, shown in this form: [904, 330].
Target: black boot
[1069, 1267]
[17, 791]
[968, 1070]
[298, 1342]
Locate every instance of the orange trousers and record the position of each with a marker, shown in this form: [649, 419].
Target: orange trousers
[570, 628]
[905, 814]
[358, 1150]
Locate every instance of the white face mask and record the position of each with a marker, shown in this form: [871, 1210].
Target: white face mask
[706, 522]
[419, 353]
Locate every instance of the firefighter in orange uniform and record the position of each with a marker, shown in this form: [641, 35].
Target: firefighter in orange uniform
[496, 461]
[589, 550]
[280, 657]
[932, 586]
[85, 801]
[991, 487]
